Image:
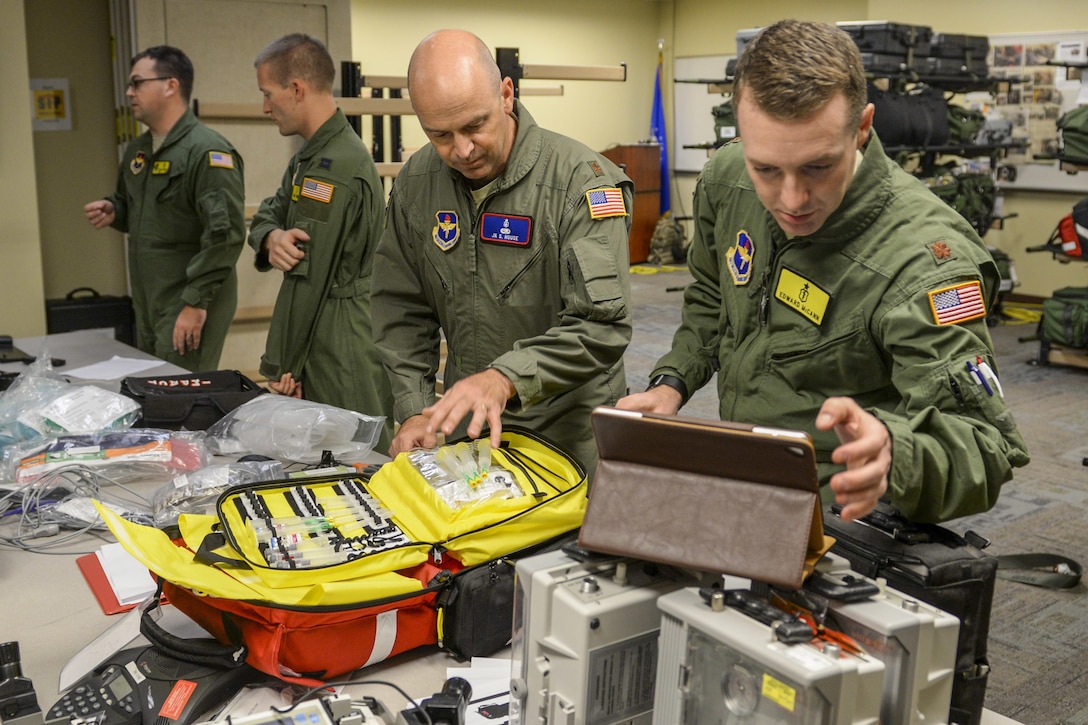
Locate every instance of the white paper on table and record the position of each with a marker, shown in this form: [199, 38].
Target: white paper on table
[130, 580]
[490, 681]
[114, 368]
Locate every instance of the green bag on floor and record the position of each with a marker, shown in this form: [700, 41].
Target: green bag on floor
[1065, 318]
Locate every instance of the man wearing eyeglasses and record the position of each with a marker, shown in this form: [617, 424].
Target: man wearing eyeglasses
[180, 197]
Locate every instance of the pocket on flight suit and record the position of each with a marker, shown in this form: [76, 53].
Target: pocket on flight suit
[592, 286]
[302, 269]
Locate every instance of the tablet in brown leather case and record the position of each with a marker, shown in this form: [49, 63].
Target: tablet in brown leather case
[710, 495]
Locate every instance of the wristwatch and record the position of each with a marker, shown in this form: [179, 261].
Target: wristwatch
[670, 381]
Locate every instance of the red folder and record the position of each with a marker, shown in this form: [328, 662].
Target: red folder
[91, 567]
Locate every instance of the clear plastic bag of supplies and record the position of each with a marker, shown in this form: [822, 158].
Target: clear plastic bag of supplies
[197, 491]
[126, 455]
[291, 429]
[462, 473]
[35, 386]
[82, 409]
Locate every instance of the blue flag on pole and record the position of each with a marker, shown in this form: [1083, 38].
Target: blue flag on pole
[657, 131]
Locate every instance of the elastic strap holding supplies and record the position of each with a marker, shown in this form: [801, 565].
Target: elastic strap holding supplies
[1051, 571]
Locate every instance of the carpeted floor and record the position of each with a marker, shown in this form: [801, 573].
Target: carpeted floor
[1038, 637]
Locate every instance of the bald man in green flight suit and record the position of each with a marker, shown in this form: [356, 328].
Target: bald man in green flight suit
[180, 198]
[320, 229]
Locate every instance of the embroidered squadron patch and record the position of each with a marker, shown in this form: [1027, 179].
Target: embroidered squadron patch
[506, 229]
[139, 161]
[447, 231]
[160, 167]
[604, 203]
[960, 303]
[739, 259]
[795, 291]
[220, 160]
[317, 190]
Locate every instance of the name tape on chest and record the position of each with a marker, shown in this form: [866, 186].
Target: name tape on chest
[605, 203]
[803, 295]
[508, 229]
[959, 303]
[220, 160]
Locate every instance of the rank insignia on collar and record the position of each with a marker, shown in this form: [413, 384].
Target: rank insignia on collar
[447, 231]
[160, 167]
[596, 168]
[139, 161]
[739, 258]
[324, 163]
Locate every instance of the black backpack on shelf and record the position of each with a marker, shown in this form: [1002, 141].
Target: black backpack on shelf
[910, 119]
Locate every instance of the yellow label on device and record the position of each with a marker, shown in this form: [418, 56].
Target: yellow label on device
[802, 295]
[779, 692]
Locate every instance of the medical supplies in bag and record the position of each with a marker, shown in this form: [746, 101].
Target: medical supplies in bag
[321, 576]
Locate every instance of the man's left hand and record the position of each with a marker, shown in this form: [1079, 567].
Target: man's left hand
[866, 451]
[482, 395]
[187, 328]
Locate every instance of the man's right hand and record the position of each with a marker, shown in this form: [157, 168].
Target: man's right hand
[99, 213]
[283, 247]
[662, 399]
[412, 434]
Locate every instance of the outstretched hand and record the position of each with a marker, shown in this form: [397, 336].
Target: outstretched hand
[865, 450]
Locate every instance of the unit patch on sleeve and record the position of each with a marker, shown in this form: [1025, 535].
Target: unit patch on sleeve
[604, 203]
[959, 303]
[220, 160]
[317, 190]
[506, 229]
[802, 295]
[447, 231]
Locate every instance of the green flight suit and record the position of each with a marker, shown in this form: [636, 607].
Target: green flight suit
[183, 208]
[528, 283]
[885, 304]
[321, 330]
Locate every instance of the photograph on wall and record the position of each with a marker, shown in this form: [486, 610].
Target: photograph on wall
[1037, 89]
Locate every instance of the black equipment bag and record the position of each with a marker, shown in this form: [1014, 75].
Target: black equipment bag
[891, 64]
[476, 609]
[84, 309]
[190, 402]
[890, 38]
[938, 567]
[910, 119]
[961, 47]
[955, 66]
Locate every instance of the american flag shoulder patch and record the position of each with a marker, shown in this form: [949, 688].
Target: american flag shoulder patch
[607, 202]
[319, 190]
[959, 303]
[220, 160]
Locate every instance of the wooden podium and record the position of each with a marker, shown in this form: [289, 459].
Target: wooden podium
[642, 163]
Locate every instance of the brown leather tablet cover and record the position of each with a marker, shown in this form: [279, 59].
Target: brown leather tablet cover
[710, 495]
